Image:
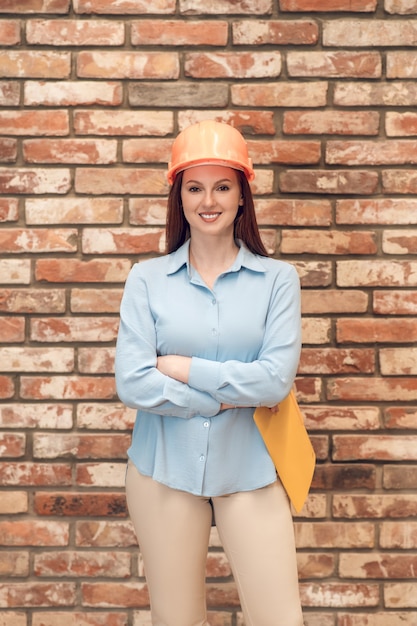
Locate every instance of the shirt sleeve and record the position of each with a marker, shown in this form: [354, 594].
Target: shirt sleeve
[268, 379]
[139, 384]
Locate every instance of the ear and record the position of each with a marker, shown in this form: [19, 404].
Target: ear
[241, 201]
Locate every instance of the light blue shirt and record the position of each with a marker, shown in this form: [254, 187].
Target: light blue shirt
[244, 337]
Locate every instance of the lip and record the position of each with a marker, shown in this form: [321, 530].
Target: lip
[209, 217]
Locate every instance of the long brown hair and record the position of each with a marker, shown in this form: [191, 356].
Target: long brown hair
[245, 227]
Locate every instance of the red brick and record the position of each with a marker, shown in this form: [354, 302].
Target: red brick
[34, 123]
[7, 387]
[9, 210]
[366, 389]
[401, 7]
[79, 151]
[177, 33]
[392, 152]
[73, 270]
[35, 6]
[232, 64]
[13, 618]
[9, 32]
[12, 446]
[369, 565]
[34, 180]
[401, 63]
[274, 32]
[12, 329]
[141, 123]
[8, 150]
[14, 564]
[82, 564]
[404, 242]
[120, 181]
[34, 594]
[82, 92]
[81, 504]
[370, 33]
[131, 65]
[377, 273]
[84, 446]
[328, 5]
[374, 506]
[400, 124]
[287, 152]
[123, 241]
[315, 565]
[96, 360]
[96, 300]
[75, 210]
[332, 64]
[105, 416]
[18, 240]
[127, 7]
[34, 359]
[339, 595]
[333, 534]
[77, 618]
[67, 388]
[32, 300]
[247, 121]
[280, 94]
[399, 181]
[9, 93]
[74, 329]
[328, 242]
[67, 32]
[107, 534]
[401, 417]
[33, 533]
[377, 211]
[334, 301]
[147, 151]
[386, 618]
[399, 93]
[101, 475]
[13, 502]
[393, 330]
[344, 477]
[254, 7]
[332, 360]
[350, 418]
[402, 535]
[398, 361]
[329, 181]
[51, 416]
[35, 474]
[35, 64]
[126, 595]
[400, 595]
[314, 273]
[331, 122]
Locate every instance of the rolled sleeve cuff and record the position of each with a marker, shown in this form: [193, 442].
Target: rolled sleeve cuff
[204, 375]
[194, 401]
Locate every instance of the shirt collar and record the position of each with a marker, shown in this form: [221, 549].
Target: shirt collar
[244, 258]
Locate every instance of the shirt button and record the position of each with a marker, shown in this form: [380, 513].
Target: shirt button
[213, 331]
[206, 424]
[213, 301]
[202, 457]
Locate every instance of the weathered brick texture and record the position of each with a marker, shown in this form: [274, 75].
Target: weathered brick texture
[92, 93]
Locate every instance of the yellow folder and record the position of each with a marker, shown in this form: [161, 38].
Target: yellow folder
[289, 446]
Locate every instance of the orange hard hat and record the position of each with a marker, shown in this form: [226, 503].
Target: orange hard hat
[210, 142]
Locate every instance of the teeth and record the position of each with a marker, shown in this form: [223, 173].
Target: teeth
[209, 216]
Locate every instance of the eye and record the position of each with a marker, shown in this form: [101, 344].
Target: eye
[193, 189]
[223, 187]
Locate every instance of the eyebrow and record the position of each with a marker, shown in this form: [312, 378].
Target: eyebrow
[222, 180]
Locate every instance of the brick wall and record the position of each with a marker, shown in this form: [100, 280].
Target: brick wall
[91, 94]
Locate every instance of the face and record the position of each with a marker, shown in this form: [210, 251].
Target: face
[211, 197]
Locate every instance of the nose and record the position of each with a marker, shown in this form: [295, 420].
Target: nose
[208, 199]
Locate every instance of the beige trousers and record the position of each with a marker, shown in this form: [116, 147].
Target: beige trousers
[256, 531]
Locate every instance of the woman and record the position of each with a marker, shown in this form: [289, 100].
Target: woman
[208, 332]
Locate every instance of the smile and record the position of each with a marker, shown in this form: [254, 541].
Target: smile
[210, 217]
